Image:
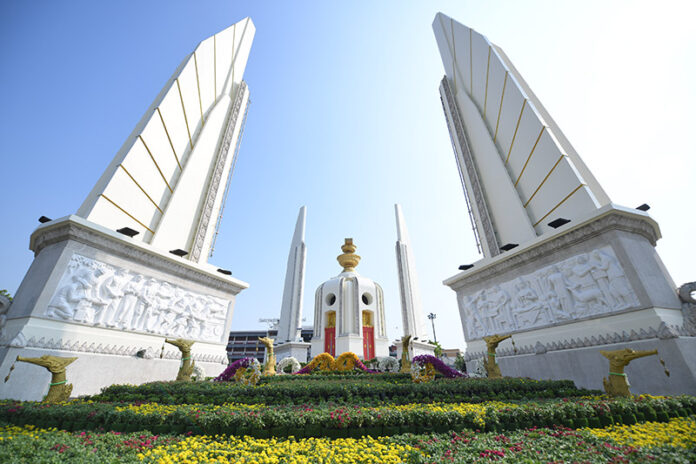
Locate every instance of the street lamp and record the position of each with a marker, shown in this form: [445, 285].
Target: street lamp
[432, 317]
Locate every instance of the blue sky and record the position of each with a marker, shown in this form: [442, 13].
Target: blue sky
[346, 119]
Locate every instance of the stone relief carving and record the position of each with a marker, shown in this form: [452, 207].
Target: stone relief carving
[99, 294]
[584, 285]
[4, 308]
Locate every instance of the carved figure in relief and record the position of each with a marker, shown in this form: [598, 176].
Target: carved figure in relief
[58, 390]
[586, 292]
[131, 298]
[501, 299]
[475, 323]
[529, 310]
[559, 286]
[600, 267]
[111, 290]
[617, 383]
[618, 284]
[66, 299]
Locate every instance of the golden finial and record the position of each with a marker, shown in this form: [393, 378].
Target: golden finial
[348, 259]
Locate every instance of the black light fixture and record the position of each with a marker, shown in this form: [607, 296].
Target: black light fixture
[179, 252]
[464, 267]
[44, 219]
[127, 231]
[224, 271]
[643, 207]
[508, 246]
[556, 223]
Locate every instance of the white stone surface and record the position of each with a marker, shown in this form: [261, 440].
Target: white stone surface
[289, 327]
[168, 179]
[411, 306]
[528, 172]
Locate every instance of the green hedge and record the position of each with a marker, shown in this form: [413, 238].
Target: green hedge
[342, 391]
[336, 421]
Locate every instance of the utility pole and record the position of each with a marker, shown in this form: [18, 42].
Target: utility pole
[432, 317]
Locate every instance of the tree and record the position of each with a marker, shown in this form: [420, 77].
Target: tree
[438, 348]
[459, 363]
[4, 292]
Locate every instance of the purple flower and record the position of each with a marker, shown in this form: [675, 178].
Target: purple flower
[439, 366]
[228, 373]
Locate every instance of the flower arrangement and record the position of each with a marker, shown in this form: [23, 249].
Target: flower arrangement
[249, 375]
[387, 364]
[438, 365]
[229, 373]
[290, 362]
[345, 362]
[422, 373]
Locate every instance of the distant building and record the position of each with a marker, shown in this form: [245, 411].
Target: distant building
[246, 344]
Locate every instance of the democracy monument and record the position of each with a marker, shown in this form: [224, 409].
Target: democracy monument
[122, 292]
[566, 272]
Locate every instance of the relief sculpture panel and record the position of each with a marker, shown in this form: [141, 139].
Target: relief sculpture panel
[99, 294]
[584, 285]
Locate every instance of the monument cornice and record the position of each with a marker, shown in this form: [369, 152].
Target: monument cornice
[80, 230]
[607, 219]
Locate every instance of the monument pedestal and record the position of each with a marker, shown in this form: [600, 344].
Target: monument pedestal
[594, 284]
[111, 301]
[297, 350]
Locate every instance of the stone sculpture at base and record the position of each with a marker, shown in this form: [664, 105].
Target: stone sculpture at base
[405, 348]
[58, 390]
[617, 382]
[564, 270]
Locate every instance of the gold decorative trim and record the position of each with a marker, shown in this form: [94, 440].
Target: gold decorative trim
[542, 182]
[500, 109]
[126, 212]
[155, 161]
[530, 155]
[169, 138]
[488, 67]
[181, 97]
[514, 135]
[198, 85]
[141, 188]
[560, 203]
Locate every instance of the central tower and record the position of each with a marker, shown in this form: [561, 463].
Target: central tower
[349, 312]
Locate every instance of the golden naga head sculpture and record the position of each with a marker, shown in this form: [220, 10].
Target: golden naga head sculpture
[55, 364]
[182, 344]
[493, 340]
[625, 355]
[349, 260]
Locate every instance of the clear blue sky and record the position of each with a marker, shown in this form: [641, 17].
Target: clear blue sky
[346, 119]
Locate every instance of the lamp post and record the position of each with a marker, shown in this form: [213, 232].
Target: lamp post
[432, 317]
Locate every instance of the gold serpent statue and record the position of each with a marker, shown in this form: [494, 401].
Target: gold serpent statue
[491, 365]
[270, 356]
[187, 364]
[405, 363]
[59, 390]
[617, 383]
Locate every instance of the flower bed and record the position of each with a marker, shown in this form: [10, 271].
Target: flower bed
[29, 444]
[344, 421]
[359, 389]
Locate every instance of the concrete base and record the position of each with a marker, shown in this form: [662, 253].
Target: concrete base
[101, 296]
[587, 367]
[297, 350]
[596, 283]
[90, 372]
